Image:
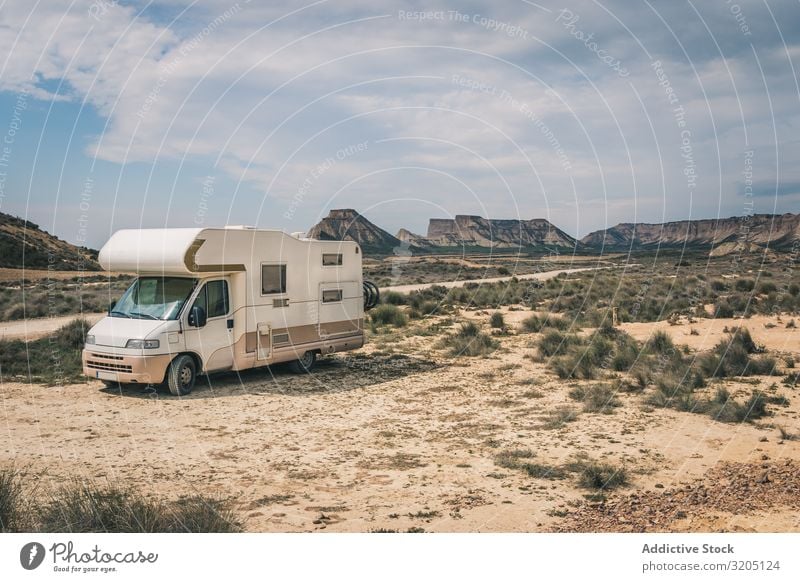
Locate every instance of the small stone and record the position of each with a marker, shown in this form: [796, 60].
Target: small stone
[659, 486]
[763, 440]
[765, 457]
[764, 478]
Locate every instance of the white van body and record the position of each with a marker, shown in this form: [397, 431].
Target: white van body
[268, 297]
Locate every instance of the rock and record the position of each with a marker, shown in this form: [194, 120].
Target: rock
[763, 440]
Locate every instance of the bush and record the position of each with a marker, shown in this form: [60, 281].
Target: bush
[661, 343]
[535, 323]
[744, 285]
[596, 398]
[597, 475]
[393, 298]
[553, 342]
[51, 360]
[12, 514]
[512, 459]
[469, 340]
[497, 321]
[732, 357]
[86, 507]
[387, 314]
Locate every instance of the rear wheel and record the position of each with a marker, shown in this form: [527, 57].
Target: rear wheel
[304, 364]
[181, 375]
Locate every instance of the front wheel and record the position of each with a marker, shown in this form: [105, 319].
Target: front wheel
[181, 375]
[304, 364]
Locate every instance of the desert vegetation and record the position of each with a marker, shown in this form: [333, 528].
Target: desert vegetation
[52, 359]
[79, 506]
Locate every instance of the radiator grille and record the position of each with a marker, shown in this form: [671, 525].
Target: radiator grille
[108, 366]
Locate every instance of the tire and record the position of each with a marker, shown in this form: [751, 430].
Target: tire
[181, 375]
[304, 364]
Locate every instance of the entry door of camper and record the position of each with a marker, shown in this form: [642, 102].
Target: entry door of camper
[213, 341]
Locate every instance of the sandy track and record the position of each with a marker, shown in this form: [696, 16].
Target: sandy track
[31, 329]
[392, 437]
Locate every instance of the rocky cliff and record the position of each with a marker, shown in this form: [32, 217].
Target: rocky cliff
[347, 224]
[723, 235]
[496, 233]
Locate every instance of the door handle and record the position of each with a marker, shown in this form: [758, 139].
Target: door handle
[230, 324]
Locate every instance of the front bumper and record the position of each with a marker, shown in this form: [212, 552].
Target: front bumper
[150, 369]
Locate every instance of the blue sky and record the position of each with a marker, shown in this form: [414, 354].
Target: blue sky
[129, 114]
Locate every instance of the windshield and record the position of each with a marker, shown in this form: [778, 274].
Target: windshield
[154, 298]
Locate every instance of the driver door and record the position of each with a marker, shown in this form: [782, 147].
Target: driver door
[214, 341]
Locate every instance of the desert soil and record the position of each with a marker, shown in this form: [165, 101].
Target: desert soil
[400, 435]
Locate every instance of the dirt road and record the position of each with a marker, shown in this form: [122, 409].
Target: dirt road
[31, 329]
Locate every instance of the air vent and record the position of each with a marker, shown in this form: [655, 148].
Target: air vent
[280, 302]
[280, 338]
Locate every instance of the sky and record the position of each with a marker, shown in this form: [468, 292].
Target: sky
[586, 113]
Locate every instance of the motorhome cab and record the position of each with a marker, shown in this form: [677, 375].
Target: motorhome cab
[216, 299]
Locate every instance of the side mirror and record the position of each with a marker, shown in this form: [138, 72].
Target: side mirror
[111, 306]
[197, 316]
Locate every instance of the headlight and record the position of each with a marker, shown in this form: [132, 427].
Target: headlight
[142, 344]
[90, 339]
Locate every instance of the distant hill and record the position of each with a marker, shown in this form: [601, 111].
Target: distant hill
[496, 233]
[347, 224]
[24, 244]
[722, 235]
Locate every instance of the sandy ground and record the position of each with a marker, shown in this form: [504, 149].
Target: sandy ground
[395, 436]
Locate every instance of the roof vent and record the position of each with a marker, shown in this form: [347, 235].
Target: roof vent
[239, 227]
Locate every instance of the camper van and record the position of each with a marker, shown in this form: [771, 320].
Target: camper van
[223, 299]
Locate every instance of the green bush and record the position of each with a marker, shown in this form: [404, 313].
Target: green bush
[12, 512]
[469, 340]
[497, 321]
[393, 298]
[86, 507]
[535, 323]
[387, 314]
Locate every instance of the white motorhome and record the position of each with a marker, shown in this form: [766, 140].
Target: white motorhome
[216, 299]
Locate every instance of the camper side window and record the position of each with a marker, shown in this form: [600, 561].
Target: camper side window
[273, 279]
[213, 298]
[331, 295]
[331, 259]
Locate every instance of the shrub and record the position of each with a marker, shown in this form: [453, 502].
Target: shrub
[597, 475]
[87, 507]
[732, 357]
[535, 323]
[745, 285]
[497, 321]
[387, 314]
[596, 398]
[393, 298]
[469, 340]
[512, 459]
[553, 342]
[660, 343]
[12, 514]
